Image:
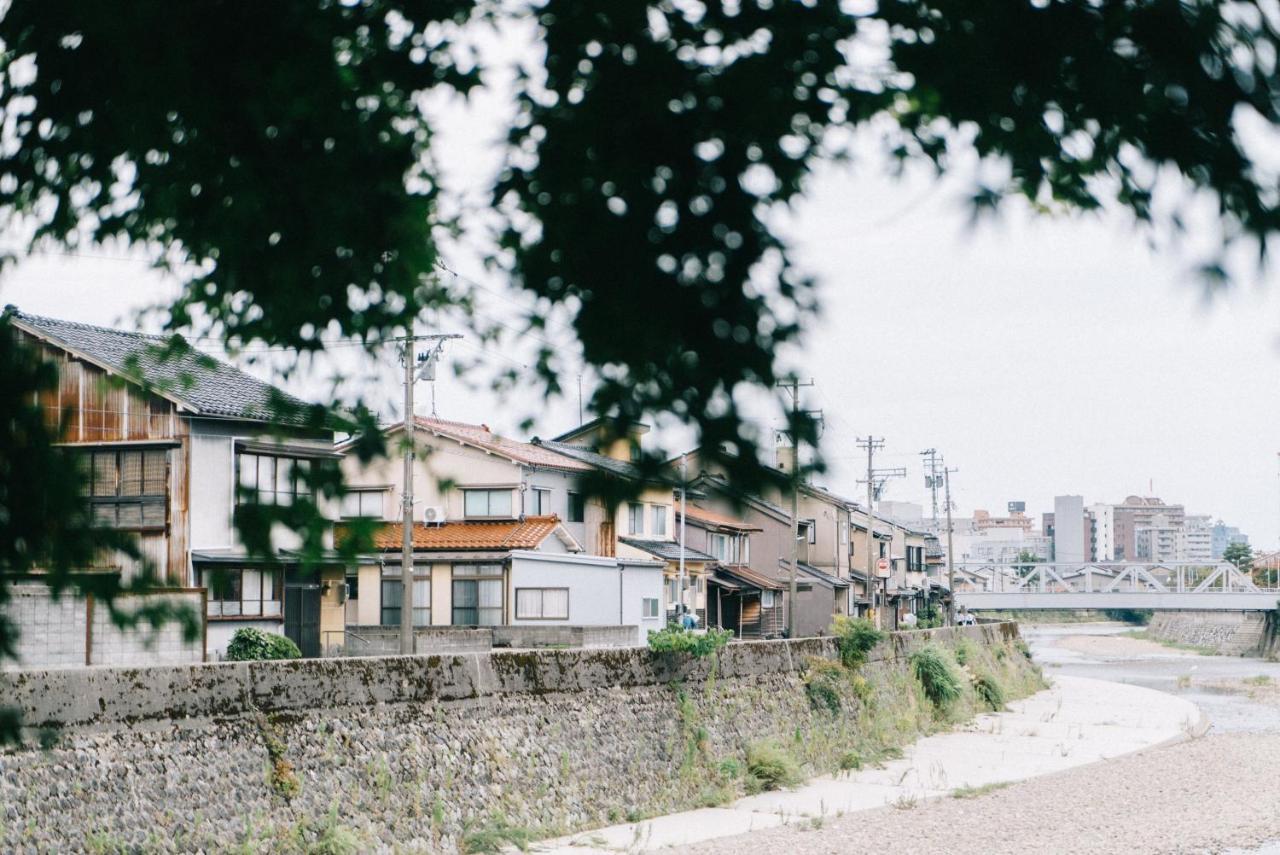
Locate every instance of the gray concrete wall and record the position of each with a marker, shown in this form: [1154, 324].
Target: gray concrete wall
[526, 636]
[1227, 633]
[380, 640]
[413, 749]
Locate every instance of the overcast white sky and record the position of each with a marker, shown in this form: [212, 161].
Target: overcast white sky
[1041, 356]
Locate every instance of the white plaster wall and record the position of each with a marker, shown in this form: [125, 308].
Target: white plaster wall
[594, 586]
[641, 581]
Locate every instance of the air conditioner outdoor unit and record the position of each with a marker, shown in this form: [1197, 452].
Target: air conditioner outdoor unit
[433, 515]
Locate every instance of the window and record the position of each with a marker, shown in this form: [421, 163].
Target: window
[353, 587]
[364, 503]
[237, 592]
[486, 503]
[649, 607]
[540, 502]
[746, 549]
[635, 518]
[392, 600]
[884, 547]
[127, 489]
[477, 594]
[635, 452]
[844, 531]
[577, 509]
[266, 479]
[542, 603]
[660, 520]
[718, 546]
[766, 599]
[811, 530]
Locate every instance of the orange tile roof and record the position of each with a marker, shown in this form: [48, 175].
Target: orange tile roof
[712, 518]
[521, 452]
[513, 534]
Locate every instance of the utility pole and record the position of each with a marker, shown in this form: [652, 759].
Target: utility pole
[875, 481]
[951, 559]
[932, 477]
[684, 510]
[793, 386]
[406, 494]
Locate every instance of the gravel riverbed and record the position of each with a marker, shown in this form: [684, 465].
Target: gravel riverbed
[1205, 795]
[1217, 793]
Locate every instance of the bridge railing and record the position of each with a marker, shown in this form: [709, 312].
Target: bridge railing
[1103, 577]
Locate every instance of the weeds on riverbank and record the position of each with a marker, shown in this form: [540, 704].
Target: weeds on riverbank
[495, 835]
[1148, 635]
[975, 792]
[936, 671]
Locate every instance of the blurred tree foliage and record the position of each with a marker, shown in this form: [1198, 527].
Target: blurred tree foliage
[274, 157]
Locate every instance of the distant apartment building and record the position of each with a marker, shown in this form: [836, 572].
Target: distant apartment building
[1070, 532]
[1221, 536]
[1102, 531]
[1137, 512]
[983, 521]
[1158, 541]
[1196, 540]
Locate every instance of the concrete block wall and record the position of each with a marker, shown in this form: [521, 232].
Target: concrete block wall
[73, 631]
[385, 640]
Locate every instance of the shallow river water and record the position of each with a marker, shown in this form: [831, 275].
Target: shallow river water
[1178, 672]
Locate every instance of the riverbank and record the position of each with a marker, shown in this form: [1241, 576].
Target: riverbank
[1214, 793]
[1077, 722]
[1203, 795]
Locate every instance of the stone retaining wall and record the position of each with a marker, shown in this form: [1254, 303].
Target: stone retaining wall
[408, 753]
[1226, 633]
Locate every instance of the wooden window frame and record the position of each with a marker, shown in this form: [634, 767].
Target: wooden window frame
[118, 499]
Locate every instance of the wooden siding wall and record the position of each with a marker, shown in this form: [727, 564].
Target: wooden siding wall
[94, 407]
[98, 407]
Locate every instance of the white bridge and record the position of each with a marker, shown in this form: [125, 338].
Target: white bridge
[1104, 585]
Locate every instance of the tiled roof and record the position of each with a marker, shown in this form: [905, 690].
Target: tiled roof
[621, 468]
[521, 452]
[666, 549]
[702, 515]
[528, 533]
[750, 577]
[822, 576]
[205, 384]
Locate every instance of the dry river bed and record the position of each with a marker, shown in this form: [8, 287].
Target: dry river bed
[1216, 793]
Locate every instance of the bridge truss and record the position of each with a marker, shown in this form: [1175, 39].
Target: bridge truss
[1109, 585]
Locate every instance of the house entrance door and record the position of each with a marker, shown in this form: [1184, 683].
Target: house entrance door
[302, 616]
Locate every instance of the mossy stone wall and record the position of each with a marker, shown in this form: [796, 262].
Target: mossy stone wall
[411, 753]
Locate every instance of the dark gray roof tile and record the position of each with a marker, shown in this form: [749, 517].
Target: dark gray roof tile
[205, 384]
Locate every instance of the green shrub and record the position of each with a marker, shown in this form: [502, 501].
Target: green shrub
[989, 690]
[673, 639]
[771, 767]
[966, 650]
[823, 680]
[854, 638]
[249, 645]
[937, 675]
[495, 835]
[822, 694]
[850, 760]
